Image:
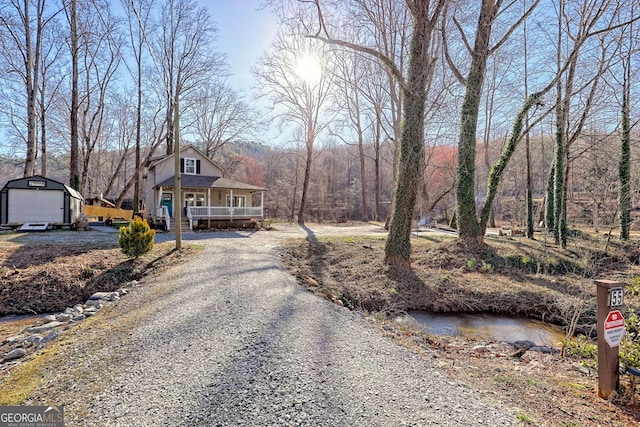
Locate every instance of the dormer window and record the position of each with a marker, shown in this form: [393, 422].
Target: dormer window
[190, 166]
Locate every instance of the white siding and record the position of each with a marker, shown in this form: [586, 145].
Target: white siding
[35, 206]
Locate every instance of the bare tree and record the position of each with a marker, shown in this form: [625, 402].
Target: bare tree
[294, 80]
[579, 21]
[185, 55]
[219, 115]
[350, 76]
[25, 24]
[71, 10]
[138, 19]
[469, 228]
[414, 87]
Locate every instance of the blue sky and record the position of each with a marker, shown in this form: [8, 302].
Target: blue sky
[244, 33]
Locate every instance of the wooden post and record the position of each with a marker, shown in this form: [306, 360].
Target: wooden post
[608, 361]
[177, 203]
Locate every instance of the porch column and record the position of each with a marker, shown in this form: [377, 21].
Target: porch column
[262, 204]
[209, 201]
[158, 200]
[231, 207]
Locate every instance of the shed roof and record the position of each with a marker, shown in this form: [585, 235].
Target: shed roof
[50, 184]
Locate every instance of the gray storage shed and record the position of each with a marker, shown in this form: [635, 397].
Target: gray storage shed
[39, 199]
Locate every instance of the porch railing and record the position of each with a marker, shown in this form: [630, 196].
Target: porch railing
[223, 212]
[163, 213]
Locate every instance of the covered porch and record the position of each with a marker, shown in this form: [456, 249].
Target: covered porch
[207, 202]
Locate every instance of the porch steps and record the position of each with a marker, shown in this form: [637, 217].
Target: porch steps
[184, 225]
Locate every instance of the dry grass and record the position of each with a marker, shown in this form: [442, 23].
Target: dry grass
[49, 277]
[511, 276]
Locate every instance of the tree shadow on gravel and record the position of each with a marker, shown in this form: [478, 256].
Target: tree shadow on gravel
[264, 370]
[316, 251]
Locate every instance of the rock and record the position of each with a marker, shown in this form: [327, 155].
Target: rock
[93, 303]
[481, 349]
[579, 368]
[122, 291]
[50, 337]
[104, 296]
[13, 339]
[50, 318]
[33, 339]
[79, 317]
[63, 317]
[69, 310]
[311, 281]
[16, 353]
[524, 345]
[45, 327]
[89, 312]
[78, 308]
[545, 349]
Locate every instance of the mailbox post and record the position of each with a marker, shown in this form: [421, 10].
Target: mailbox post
[610, 331]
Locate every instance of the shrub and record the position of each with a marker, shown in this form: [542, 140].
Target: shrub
[136, 239]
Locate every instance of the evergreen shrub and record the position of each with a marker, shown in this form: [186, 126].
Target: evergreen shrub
[136, 239]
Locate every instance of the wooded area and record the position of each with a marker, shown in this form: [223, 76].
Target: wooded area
[468, 112]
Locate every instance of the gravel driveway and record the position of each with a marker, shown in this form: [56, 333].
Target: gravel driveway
[239, 343]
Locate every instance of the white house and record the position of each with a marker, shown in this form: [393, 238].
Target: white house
[207, 198]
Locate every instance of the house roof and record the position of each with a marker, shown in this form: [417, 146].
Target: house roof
[201, 181]
[153, 161]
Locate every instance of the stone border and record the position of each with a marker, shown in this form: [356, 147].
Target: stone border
[34, 337]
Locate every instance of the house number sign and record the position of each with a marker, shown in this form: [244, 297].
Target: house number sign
[616, 296]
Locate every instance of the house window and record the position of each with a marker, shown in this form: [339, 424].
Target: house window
[238, 201]
[190, 166]
[194, 199]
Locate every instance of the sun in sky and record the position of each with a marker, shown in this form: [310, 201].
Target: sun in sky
[308, 68]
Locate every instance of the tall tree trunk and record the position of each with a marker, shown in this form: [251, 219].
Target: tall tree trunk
[74, 162]
[43, 131]
[420, 68]
[624, 169]
[550, 204]
[469, 229]
[496, 171]
[558, 179]
[376, 163]
[32, 59]
[529, 194]
[136, 185]
[294, 193]
[363, 179]
[310, 136]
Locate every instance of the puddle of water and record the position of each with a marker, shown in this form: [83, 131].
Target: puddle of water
[489, 327]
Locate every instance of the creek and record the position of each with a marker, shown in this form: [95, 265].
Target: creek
[487, 327]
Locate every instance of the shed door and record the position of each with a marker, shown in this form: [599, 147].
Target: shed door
[35, 205]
